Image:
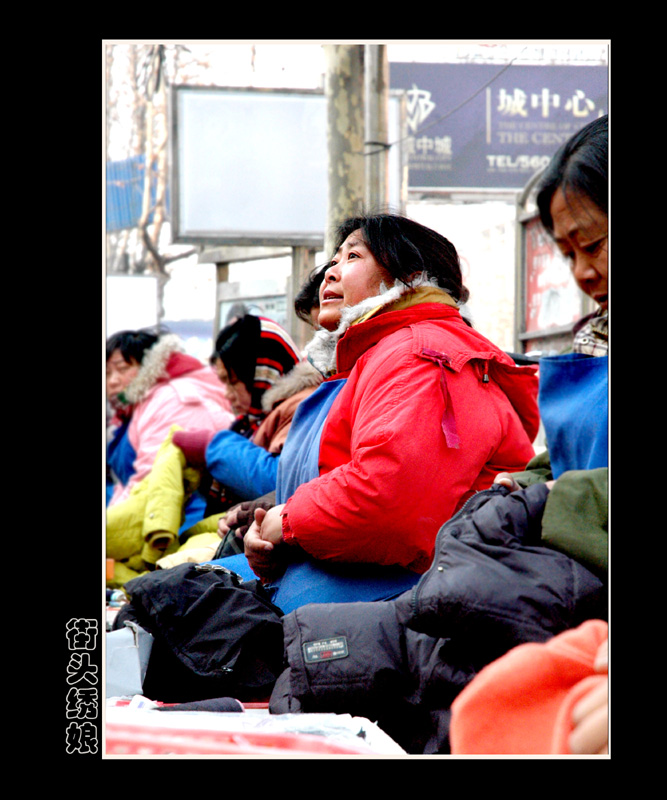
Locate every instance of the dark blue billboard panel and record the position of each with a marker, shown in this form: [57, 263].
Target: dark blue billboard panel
[484, 126]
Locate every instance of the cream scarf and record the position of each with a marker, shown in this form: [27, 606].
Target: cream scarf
[321, 350]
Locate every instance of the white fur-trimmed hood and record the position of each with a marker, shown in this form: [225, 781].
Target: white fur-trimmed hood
[153, 367]
[300, 377]
[321, 350]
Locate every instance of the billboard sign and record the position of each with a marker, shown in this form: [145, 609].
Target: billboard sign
[481, 126]
[250, 166]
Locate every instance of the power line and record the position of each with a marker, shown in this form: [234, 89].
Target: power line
[449, 113]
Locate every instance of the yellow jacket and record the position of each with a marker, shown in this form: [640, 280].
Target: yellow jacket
[144, 527]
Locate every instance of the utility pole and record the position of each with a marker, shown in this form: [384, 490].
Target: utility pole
[357, 94]
[376, 69]
[344, 89]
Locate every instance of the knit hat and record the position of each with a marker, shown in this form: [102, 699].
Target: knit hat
[258, 352]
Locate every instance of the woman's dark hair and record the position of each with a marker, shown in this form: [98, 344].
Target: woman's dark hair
[580, 168]
[308, 296]
[405, 247]
[236, 346]
[133, 344]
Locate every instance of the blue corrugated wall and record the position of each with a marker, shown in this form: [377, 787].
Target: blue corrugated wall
[124, 188]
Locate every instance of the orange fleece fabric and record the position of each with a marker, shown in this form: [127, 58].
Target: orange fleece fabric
[522, 703]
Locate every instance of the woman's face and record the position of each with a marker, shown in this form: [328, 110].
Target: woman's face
[580, 231]
[235, 390]
[353, 275]
[120, 373]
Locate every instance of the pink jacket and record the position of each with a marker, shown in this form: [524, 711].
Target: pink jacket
[171, 388]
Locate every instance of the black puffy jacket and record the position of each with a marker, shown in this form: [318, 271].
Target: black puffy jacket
[214, 636]
[491, 586]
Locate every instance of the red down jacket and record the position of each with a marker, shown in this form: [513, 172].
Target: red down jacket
[430, 412]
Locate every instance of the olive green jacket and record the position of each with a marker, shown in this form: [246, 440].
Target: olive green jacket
[576, 515]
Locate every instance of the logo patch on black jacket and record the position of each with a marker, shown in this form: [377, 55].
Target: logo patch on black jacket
[325, 649]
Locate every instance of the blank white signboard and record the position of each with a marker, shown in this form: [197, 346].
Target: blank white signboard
[250, 166]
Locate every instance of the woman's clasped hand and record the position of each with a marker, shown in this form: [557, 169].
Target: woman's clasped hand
[261, 543]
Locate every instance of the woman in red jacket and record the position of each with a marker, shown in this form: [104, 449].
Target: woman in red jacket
[418, 411]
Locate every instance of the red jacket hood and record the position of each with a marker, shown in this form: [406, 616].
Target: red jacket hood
[519, 383]
[180, 363]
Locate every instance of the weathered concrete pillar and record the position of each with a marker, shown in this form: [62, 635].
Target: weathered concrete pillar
[344, 89]
[376, 68]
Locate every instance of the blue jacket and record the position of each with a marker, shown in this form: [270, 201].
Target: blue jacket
[249, 466]
[240, 465]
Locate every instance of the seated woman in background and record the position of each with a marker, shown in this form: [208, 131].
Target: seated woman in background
[418, 412]
[264, 379]
[562, 684]
[573, 398]
[152, 384]
[233, 526]
[154, 387]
